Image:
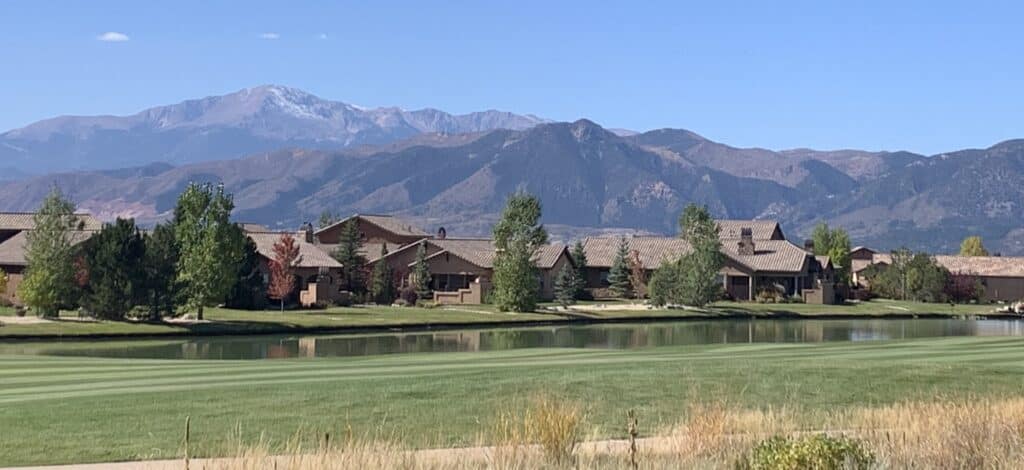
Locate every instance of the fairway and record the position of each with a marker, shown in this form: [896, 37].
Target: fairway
[114, 409]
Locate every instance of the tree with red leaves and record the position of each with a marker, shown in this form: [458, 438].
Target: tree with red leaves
[282, 268]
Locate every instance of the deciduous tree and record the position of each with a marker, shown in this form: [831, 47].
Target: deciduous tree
[637, 275]
[834, 243]
[518, 236]
[282, 268]
[210, 245]
[691, 279]
[49, 282]
[972, 246]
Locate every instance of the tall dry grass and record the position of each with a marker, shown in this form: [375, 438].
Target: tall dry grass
[549, 434]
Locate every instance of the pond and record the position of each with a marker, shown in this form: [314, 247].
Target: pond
[608, 336]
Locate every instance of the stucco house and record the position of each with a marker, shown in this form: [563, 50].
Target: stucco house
[318, 276]
[1002, 276]
[756, 257]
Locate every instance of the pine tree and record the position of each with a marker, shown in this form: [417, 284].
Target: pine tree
[382, 286]
[565, 286]
[349, 254]
[579, 258]
[210, 245]
[517, 237]
[421, 274]
[117, 278]
[698, 269]
[248, 291]
[49, 282]
[282, 268]
[161, 267]
[972, 246]
[618, 275]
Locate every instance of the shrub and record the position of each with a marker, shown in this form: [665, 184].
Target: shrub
[408, 295]
[819, 452]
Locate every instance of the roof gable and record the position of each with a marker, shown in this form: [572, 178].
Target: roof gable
[388, 223]
[729, 229]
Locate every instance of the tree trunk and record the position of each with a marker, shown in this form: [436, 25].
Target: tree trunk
[199, 313]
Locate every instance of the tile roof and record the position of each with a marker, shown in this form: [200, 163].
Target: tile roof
[24, 221]
[762, 229]
[769, 255]
[390, 223]
[312, 255]
[12, 250]
[992, 266]
[480, 251]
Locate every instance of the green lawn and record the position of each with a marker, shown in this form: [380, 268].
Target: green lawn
[62, 409]
[223, 321]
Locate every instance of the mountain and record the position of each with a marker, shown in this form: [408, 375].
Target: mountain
[590, 180]
[249, 121]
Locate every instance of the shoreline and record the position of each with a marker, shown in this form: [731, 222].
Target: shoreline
[575, 320]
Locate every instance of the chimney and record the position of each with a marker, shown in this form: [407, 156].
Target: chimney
[305, 232]
[809, 246]
[746, 244]
[441, 233]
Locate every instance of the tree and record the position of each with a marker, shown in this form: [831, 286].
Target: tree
[637, 275]
[49, 282]
[565, 286]
[161, 268]
[663, 286]
[517, 237]
[910, 276]
[963, 288]
[282, 268]
[421, 273]
[698, 279]
[117, 278]
[349, 254]
[579, 258]
[248, 291]
[210, 245]
[382, 283]
[834, 243]
[327, 218]
[3, 282]
[972, 246]
[618, 275]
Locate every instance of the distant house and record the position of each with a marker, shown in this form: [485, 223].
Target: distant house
[318, 276]
[1002, 276]
[14, 228]
[459, 266]
[375, 230]
[756, 258]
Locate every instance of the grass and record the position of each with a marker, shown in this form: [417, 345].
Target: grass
[65, 409]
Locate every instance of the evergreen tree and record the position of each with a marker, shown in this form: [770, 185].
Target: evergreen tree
[698, 270]
[565, 286]
[517, 237]
[210, 245]
[327, 218]
[49, 282]
[618, 275]
[282, 268]
[161, 268]
[248, 291]
[579, 259]
[382, 286]
[663, 287]
[349, 254]
[421, 274]
[972, 246]
[117, 278]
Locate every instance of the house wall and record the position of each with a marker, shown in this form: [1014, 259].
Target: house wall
[370, 234]
[15, 274]
[1004, 289]
[548, 276]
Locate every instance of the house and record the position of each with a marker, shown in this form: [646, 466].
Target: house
[461, 268]
[14, 229]
[754, 260]
[1001, 276]
[730, 229]
[318, 276]
[375, 231]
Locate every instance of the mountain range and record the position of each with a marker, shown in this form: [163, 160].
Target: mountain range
[457, 171]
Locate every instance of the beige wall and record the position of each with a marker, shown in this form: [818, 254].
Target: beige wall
[14, 277]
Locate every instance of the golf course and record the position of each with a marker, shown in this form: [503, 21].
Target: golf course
[107, 409]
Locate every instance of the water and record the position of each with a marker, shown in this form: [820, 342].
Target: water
[615, 336]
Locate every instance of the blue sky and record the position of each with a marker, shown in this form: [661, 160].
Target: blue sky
[920, 76]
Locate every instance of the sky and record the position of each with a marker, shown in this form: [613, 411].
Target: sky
[921, 76]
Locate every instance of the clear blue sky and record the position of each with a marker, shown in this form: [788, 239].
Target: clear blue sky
[922, 76]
